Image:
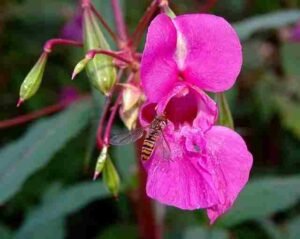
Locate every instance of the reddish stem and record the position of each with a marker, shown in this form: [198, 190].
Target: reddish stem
[137, 34]
[31, 116]
[208, 6]
[119, 20]
[101, 122]
[58, 41]
[105, 140]
[111, 119]
[145, 211]
[91, 54]
[105, 25]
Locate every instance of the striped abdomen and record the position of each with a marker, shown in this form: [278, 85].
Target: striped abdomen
[155, 131]
[149, 143]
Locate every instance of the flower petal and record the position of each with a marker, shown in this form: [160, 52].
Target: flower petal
[179, 181]
[188, 104]
[158, 67]
[232, 162]
[213, 54]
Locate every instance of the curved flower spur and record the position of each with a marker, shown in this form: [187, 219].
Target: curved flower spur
[209, 165]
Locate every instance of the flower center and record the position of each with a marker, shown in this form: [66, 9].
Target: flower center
[182, 108]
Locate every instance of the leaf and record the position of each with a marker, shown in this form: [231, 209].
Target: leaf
[289, 112]
[225, 117]
[274, 20]
[67, 201]
[5, 233]
[118, 231]
[262, 198]
[126, 163]
[52, 230]
[293, 228]
[22, 158]
[205, 233]
[290, 53]
[270, 228]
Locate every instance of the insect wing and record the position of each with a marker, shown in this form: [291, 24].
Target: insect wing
[127, 137]
[162, 148]
[166, 151]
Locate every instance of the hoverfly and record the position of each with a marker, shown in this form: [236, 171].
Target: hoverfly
[154, 132]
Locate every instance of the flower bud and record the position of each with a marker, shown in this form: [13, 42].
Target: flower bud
[225, 117]
[100, 69]
[33, 80]
[132, 98]
[100, 162]
[111, 177]
[80, 66]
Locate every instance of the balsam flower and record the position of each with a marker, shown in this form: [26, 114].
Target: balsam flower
[208, 165]
[199, 49]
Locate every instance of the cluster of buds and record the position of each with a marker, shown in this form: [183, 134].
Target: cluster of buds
[110, 72]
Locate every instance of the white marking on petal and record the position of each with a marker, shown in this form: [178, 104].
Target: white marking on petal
[181, 48]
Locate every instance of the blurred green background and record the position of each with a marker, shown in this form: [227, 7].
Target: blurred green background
[46, 165]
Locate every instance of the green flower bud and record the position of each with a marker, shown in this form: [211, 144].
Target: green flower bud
[80, 66]
[100, 69]
[111, 177]
[225, 117]
[33, 80]
[100, 162]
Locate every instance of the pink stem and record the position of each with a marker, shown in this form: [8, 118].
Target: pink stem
[105, 25]
[148, 228]
[137, 34]
[34, 115]
[208, 5]
[111, 120]
[91, 54]
[119, 19]
[85, 3]
[58, 41]
[101, 122]
[105, 140]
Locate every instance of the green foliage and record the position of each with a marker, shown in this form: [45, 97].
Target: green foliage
[269, 21]
[262, 198]
[225, 117]
[119, 231]
[290, 53]
[34, 150]
[205, 233]
[66, 201]
[126, 163]
[290, 113]
[293, 228]
[5, 233]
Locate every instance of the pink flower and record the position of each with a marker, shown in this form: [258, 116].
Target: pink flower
[207, 166]
[200, 49]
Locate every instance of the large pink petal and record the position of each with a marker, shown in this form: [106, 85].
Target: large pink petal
[179, 180]
[158, 66]
[211, 54]
[232, 160]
